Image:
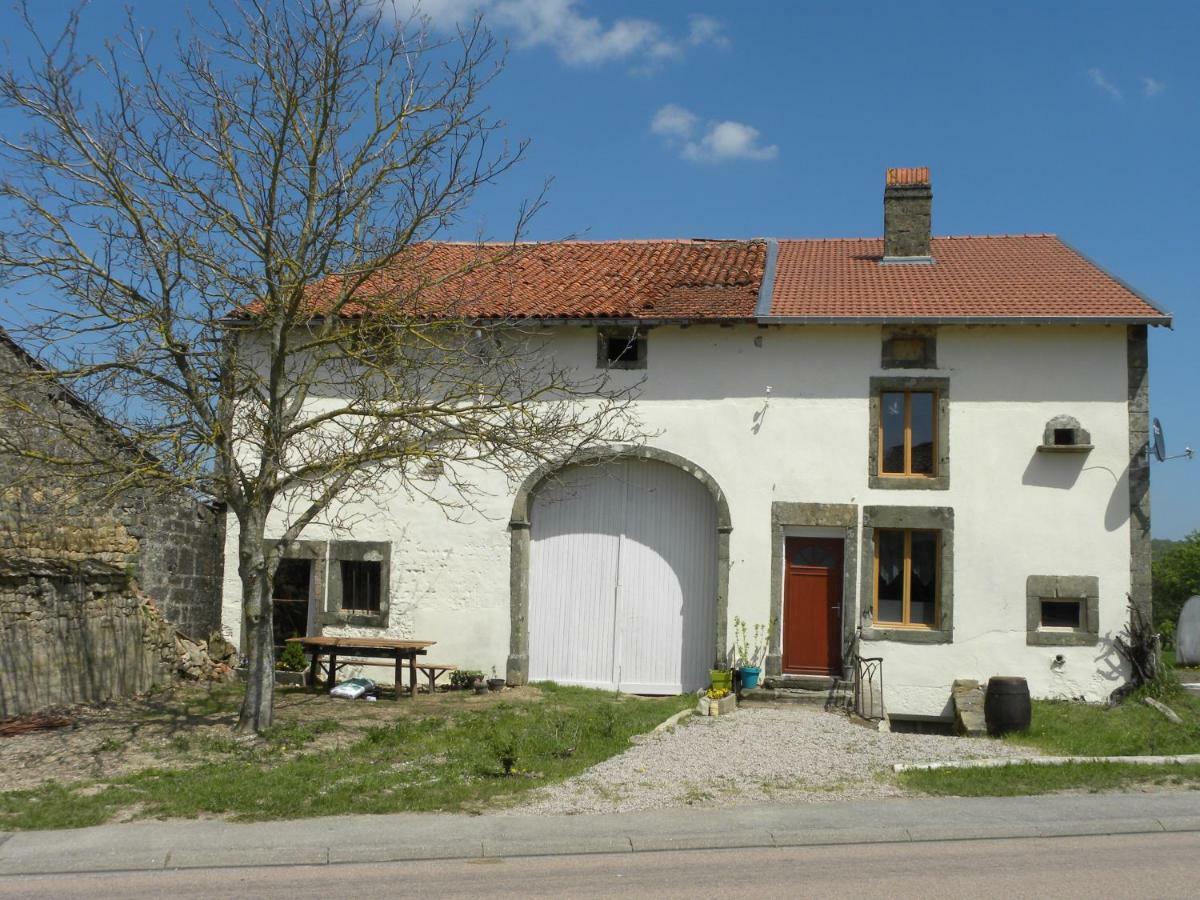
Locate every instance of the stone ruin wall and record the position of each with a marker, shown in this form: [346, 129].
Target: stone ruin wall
[73, 627]
[91, 591]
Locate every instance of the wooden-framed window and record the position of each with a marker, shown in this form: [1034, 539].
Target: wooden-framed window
[907, 577]
[908, 431]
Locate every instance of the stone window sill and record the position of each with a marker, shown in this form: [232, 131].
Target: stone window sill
[1066, 448]
[906, 635]
[910, 482]
[1061, 639]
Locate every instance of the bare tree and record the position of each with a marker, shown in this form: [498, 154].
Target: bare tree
[234, 251]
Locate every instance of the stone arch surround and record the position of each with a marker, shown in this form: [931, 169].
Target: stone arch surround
[517, 670]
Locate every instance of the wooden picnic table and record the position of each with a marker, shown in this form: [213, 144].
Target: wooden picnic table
[403, 652]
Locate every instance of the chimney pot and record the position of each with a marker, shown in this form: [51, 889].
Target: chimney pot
[907, 214]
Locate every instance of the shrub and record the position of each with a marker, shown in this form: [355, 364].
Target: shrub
[292, 658]
[464, 678]
[1139, 645]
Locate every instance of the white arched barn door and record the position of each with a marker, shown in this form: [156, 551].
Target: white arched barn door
[623, 578]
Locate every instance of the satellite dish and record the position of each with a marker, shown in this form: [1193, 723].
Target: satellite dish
[1160, 443]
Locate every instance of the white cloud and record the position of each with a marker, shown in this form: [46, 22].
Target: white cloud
[729, 140]
[1104, 85]
[716, 142]
[576, 38]
[1151, 87]
[704, 29]
[674, 122]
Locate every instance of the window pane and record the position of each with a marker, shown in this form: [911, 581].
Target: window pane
[1060, 614]
[891, 424]
[623, 347]
[890, 590]
[922, 598]
[922, 433]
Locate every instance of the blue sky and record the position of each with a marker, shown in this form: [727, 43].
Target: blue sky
[735, 120]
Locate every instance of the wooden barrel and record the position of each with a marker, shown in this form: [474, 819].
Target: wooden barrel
[1007, 707]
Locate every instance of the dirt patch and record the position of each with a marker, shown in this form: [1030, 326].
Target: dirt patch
[191, 724]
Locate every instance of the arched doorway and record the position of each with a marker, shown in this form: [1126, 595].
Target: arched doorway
[620, 574]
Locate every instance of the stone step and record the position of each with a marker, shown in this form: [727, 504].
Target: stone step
[767, 695]
[801, 682]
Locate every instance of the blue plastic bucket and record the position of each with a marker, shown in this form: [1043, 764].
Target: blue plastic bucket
[750, 675]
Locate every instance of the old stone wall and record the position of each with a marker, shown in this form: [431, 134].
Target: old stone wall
[93, 582]
[78, 639]
[179, 559]
[73, 628]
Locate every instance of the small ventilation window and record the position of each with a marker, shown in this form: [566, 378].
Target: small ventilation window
[1064, 434]
[621, 348]
[1061, 614]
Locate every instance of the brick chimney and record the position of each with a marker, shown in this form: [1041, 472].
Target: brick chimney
[907, 211]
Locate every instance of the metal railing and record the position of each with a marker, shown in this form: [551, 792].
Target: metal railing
[868, 686]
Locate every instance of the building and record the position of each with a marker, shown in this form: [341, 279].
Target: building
[926, 449]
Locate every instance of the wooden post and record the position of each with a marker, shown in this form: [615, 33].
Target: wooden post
[412, 675]
[332, 680]
[399, 674]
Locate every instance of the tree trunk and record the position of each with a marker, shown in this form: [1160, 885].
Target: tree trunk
[258, 642]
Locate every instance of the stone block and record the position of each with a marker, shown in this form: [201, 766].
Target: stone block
[968, 699]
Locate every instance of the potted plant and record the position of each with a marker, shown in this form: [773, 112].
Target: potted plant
[721, 678]
[495, 683]
[479, 684]
[749, 652]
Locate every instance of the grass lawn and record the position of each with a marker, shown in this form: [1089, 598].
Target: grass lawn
[1060, 728]
[1023, 779]
[452, 752]
[1169, 660]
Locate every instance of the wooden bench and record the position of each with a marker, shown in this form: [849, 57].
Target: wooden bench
[432, 671]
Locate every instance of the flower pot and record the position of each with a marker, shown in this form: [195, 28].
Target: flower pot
[750, 676]
[480, 686]
[495, 684]
[721, 679]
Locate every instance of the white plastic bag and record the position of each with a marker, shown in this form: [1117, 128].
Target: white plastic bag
[352, 689]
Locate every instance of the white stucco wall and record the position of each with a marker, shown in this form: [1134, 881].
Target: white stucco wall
[1017, 512]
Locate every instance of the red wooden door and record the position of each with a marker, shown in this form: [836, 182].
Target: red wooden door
[812, 606]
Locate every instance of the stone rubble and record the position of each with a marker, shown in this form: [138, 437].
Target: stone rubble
[211, 660]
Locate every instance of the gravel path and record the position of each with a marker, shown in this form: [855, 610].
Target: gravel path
[755, 754]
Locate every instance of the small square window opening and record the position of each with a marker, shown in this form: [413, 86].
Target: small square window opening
[622, 348]
[361, 586]
[1064, 437]
[1062, 614]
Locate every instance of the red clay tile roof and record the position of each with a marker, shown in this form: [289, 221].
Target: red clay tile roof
[908, 176]
[971, 278]
[679, 279]
[1003, 277]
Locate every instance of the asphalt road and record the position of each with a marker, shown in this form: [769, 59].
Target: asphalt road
[1137, 865]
